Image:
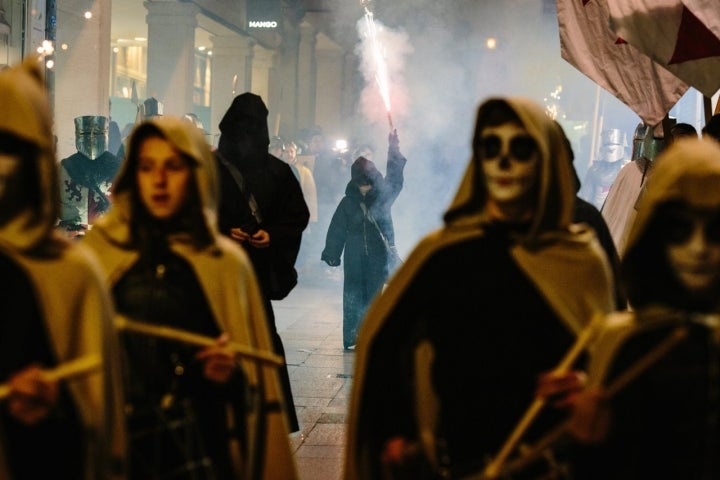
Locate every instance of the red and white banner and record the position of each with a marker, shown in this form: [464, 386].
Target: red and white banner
[676, 34]
[707, 11]
[588, 44]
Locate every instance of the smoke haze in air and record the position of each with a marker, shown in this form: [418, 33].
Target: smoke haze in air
[440, 68]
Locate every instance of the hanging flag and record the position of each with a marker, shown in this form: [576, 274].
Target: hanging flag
[707, 11]
[673, 35]
[588, 44]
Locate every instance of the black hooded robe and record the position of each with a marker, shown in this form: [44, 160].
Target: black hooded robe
[284, 214]
[352, 230]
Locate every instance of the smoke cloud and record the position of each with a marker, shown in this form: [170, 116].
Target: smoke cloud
[441, 68]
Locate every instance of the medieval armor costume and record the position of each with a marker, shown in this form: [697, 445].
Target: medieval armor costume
[620, 205]
[435, 336]
[86, 176]
[602, 172]
[179, 272]
[54, 310]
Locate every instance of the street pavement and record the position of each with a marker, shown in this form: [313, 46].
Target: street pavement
[309, 321]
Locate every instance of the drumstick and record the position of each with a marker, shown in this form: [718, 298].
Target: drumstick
[627, 376]
[493, 468]
[190, 338]
[73, 368]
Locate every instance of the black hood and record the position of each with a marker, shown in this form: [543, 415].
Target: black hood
[244, 137]
[363, 171]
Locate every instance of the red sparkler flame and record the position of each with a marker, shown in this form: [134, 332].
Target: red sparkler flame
[381, 74]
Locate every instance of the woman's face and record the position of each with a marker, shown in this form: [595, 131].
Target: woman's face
[693, 249]
[163, 177]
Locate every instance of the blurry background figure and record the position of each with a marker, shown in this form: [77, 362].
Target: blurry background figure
[86, 176]
[605, 168]
[585, 212]
[54, 309]
[150, 108]
[663, 424]
[276, 147]
[712, 128]
[619, 209]
[192, 411]
[330, 173]
[197, 123]
[304, 157]
[114, 137]
[361, 230]
[307, 183]
[262, 208]
[681, 130]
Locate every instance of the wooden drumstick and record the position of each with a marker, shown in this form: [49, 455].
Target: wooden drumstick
[627, 376]
[190, 338]
[494, 467]
[73, 368]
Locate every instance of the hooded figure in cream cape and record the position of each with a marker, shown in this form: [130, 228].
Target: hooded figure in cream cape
[212, 289]
[54, 309]
[664, 421]
[479, 305]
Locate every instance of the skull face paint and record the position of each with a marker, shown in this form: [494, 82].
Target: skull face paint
[693, 248]
[509, 159]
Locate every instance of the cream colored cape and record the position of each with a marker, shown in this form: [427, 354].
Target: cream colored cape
[227, 279]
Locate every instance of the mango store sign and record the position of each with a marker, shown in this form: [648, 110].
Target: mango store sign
[264, 14]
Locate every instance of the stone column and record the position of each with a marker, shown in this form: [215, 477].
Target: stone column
[276, 89]
[307, 76]
[82, 67]
[261, 66]
[231, 68]
[284, 79]
[171, 54]
[331, 70]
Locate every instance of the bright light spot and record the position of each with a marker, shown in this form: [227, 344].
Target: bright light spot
[125, 92]
[46, 48]
[491, 43]
[116, 49]
[140, 39]
[88, 15]
[64, 46]
[50, 63]
[341, 145]
[209, 53]
[201, 48]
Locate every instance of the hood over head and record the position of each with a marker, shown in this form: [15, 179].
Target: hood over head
[687, 173]
[244, 137]
[26, 116]
[190, 142]
[364, 172]
[555, 192]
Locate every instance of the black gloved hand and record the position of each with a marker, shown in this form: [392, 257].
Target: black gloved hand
[394, 141]
[333, 262]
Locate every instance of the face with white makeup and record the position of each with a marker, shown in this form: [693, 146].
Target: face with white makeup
[510, 160]
[693, 248]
